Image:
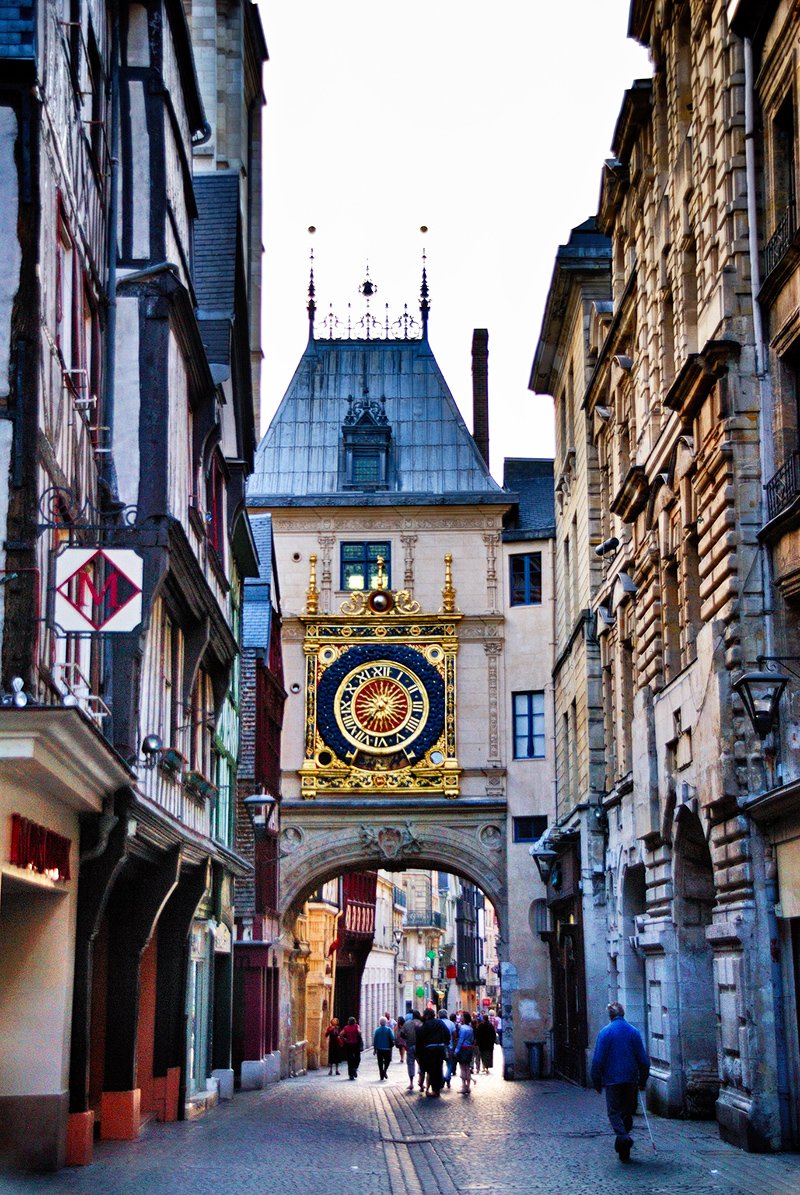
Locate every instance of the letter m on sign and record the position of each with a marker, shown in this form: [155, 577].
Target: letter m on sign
[97, 590]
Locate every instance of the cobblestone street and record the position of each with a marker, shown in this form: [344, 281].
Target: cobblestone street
[321, 1134]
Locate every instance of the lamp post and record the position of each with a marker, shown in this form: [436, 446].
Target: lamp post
[761, 692]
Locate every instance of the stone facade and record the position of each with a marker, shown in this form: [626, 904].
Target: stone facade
[652, 358]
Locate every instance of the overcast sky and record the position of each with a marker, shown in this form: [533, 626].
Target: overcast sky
[487, 123]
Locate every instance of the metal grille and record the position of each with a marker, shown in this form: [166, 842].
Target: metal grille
[780, 240]
[784, 487]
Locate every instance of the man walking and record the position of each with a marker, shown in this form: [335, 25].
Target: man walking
[621, 1065]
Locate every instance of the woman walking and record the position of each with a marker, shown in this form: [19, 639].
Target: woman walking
[485, 1036]
[433, 1038]
[352, 1043]
[465, 1042]
[398, 1040]
[334, 1049]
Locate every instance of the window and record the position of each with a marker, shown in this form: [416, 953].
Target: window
[366, 468]
[529, 725]
[360, 564]
[529, 829]
[526, 579]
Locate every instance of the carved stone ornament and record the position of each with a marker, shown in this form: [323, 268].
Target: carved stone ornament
[291, 838]
[391, 841]
[491, 837]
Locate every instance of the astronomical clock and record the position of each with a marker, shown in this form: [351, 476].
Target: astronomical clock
[380, 694]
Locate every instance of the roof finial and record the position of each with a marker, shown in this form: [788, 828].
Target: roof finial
[424, 305]
[312, 305]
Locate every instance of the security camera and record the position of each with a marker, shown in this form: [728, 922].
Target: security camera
[608, 545]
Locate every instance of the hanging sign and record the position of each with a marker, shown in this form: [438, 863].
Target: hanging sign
[420, 992]
[98, 590]
[431, 954]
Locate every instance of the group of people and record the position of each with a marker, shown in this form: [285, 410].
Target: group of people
[427, 1042]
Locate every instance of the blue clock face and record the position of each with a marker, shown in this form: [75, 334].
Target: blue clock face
[380, 704]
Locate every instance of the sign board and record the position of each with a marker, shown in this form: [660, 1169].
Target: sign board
[486, 1002]
[431, 954]
[420, 992]
[98, 590]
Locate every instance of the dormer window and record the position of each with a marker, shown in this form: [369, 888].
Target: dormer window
[366, 445]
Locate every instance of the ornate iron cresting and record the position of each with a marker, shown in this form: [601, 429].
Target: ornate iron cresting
[784, 487]
[368, 327]
[781, 239]
[59, 510]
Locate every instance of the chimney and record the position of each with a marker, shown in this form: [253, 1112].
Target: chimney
[480, 392]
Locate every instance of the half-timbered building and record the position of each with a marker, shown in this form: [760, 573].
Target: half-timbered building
[128, 388]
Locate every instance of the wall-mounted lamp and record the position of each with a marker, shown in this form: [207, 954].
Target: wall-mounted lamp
[152, 746]
[260, 806]
[761, 692]
[544, 857]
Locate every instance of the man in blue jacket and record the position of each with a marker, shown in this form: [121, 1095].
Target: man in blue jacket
[621, 1065]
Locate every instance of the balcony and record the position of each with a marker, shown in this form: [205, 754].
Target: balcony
[425, 920]
[778, 244]
[784, 487]
[399, 897]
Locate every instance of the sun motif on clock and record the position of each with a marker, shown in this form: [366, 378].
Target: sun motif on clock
[380, 703]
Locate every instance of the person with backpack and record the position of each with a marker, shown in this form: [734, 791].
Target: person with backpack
[433, 1038]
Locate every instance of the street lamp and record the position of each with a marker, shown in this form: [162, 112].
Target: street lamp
[761, 692]
[544, 857]
[260, 806]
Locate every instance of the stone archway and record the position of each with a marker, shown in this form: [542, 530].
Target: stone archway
[322, 838]
[696, 1025]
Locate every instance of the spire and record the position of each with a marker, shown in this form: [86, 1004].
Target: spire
[424, 305]
[312, 305]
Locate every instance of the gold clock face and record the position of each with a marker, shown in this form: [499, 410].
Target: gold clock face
[381, 707]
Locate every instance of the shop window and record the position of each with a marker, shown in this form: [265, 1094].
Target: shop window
[359, 564]
[526, 579]
[528, 725]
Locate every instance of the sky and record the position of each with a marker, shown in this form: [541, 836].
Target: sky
[486, 123]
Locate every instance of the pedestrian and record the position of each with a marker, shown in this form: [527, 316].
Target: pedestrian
[390, 1021]
[451, 1053]
[485, 1036]
[398, 1040]
[334, 1049]
[465, 1040]
[498, 1028]
[621, 1065]
[383, 1043]
[352, 1043]
[408, 1034]
[433, 1037]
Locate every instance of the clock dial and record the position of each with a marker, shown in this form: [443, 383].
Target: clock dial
[380, 703]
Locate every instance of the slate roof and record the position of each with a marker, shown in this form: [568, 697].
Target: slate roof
[258, 596]
[214, 264]
[434, 458]
[532, 482]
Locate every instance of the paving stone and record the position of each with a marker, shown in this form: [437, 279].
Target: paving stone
[328, 1135]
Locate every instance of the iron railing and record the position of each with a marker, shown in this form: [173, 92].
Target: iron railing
[784, 487]
[427, 919]
[780, 240]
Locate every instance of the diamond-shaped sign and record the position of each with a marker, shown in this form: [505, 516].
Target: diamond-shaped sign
[98, 589]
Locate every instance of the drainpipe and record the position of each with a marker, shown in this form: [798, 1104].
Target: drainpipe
[765, 441]
[767, 462]
[108, 471]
